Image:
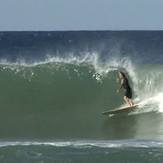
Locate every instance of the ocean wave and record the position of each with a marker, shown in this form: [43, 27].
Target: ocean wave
[146, 79]
[89, 143]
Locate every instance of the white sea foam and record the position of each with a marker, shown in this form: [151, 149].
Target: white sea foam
[150, 90]
[89, 143]
[93, 60]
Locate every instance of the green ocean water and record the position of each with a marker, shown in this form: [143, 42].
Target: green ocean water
[60, 100]
[54, 86]
[52, 102]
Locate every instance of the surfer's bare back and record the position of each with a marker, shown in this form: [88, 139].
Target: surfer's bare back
[124, 83]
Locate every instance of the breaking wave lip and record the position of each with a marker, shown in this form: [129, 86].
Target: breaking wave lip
[89, 143]
[70, 59]
[89, 58]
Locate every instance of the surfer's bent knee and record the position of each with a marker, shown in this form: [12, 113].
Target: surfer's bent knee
[125, 98]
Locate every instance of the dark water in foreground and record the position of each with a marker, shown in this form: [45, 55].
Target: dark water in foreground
[82, 151]
[54, 86]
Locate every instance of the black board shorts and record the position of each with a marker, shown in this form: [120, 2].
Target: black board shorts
[128, 93]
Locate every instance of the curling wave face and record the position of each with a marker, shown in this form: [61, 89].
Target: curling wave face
[56, 84]
[59, 91]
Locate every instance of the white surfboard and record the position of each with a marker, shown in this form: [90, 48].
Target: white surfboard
[120, 110]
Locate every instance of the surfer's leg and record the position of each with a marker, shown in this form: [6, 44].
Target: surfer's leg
[128, 95]
[131, 102]
[127, 100]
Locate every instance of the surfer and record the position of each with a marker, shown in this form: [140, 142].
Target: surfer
[124, 83]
